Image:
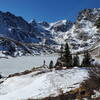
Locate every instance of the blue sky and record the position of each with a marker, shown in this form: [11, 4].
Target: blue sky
[48, 10]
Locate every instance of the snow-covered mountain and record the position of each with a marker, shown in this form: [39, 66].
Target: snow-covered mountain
[81, 34]
[58, 30]
[84, 33]
[16, 28]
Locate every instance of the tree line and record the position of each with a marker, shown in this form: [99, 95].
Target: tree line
[67, 60]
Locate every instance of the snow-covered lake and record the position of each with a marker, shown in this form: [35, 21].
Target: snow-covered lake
[19, 64]
[13, 65]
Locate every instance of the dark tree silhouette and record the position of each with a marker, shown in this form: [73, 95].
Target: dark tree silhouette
[51, 65]
[65, 59]
[76, 61]
[67, 56]
[1, 76]
[86, 60]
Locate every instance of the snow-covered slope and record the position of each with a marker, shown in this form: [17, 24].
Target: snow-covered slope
[58, 30]
[42, 85]
[80, 35]
[84, 33]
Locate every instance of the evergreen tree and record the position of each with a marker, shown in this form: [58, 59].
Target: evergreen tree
[51, 65]
[86, 60]
[67, 56]
[76, 61]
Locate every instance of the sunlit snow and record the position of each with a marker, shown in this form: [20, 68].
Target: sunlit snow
[42, 85]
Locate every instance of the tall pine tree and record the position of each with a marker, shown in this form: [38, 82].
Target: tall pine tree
[65, 59]
[67, 56]
[76, 61]
[86, 60]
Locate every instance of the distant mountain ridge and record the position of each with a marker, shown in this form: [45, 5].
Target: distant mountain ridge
[80, 35]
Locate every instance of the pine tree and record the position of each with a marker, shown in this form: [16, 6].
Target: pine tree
[67, 56]
[65, 59]
[86, 60]
[76, 61]
[51, 65]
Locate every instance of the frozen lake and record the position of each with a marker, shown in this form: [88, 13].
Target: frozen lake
[14, 65]
[19, 64]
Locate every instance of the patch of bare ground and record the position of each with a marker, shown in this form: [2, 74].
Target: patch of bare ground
[40, 69]
[28, 72]
[97, 56]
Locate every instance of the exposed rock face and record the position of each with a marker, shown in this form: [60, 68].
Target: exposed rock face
[14, 27]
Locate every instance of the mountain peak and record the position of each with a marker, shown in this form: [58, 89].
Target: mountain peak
[45, 24]
[33, 22]
[61, 26]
